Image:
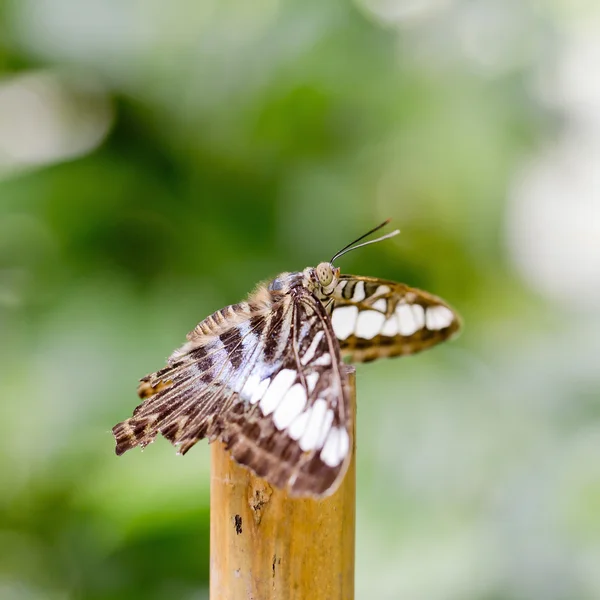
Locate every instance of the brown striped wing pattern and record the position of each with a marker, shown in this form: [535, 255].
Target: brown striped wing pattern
[266, 378]
[374, 318]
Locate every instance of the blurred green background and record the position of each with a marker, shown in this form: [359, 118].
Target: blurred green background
[159, 159]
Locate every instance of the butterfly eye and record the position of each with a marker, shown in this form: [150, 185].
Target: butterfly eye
[324, 273]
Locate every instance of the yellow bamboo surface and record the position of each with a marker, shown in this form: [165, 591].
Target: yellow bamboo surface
[265, 545]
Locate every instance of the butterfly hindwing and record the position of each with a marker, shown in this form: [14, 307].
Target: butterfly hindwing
[295, 428]
[375, 318]
[269, 383]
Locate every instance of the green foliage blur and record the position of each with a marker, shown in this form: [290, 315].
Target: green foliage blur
[157, 160]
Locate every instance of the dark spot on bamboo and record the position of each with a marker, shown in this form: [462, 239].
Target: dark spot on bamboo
[259, 495]
[238, 524]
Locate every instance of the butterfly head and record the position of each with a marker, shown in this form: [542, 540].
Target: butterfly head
[322, 279]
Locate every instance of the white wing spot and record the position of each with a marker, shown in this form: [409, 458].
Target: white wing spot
[336, 447]
[380, 305]
[296, 429]
[438, 317]
[312, 433]
[407, 321]
[323, 361]
[390, 327]
[310, 351]
[250, 386]
[419, 314]
[311, 381]
[330, 455]
[359, 292]
[344, 442]
[343, 319]
[368, 324]
[325, 427]
[260, 390]
[290, 407]
[279, 386]
[382, 289]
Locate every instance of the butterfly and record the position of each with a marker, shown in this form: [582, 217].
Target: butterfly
[267, 377]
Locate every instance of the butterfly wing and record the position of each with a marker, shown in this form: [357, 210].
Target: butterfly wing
[184, 400]
[298, 434]
[270, 384]
[374, 318]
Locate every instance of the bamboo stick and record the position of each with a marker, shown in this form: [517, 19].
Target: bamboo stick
[265, 545]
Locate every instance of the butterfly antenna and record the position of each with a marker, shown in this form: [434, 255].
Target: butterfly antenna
[351, 245]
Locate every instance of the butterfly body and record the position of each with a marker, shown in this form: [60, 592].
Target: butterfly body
[266, 376]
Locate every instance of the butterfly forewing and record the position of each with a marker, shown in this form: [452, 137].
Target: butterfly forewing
[374, 318]
[268, 382]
